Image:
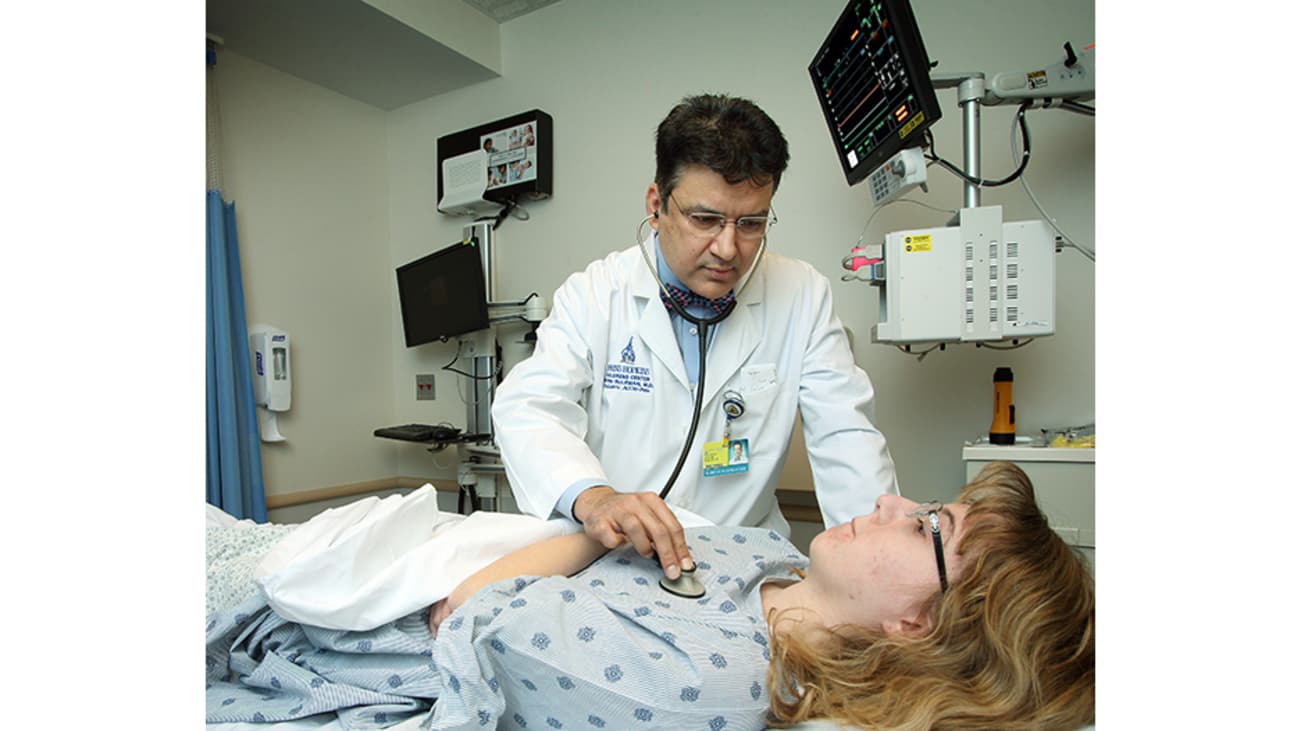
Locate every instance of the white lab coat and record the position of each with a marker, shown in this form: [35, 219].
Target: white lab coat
[605, 395]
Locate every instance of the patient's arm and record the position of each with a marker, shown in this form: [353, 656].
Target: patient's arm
[560, 556]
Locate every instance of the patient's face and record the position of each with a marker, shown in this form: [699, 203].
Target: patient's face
[878, 569]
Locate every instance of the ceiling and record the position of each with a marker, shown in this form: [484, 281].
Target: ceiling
[503, 10]
[387, 53]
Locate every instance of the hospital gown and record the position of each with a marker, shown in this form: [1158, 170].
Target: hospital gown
[606, 648]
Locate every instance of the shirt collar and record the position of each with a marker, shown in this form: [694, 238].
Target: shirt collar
[665, 272]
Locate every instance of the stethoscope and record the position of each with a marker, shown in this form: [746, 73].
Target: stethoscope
[687, 586]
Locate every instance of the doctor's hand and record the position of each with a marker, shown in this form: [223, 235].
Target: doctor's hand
[641, 518]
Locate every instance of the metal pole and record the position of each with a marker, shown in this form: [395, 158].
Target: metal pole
[970, 89]
[483, 385]
[969, 94]
[478, 416]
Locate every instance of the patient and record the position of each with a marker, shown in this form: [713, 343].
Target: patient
[864, 632]
[1008, 645]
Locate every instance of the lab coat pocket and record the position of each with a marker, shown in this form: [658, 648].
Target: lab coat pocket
[758, 378]
[757, 386]
[765, 410]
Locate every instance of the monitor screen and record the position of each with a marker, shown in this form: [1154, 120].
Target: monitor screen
[872, 76]
[442, 295]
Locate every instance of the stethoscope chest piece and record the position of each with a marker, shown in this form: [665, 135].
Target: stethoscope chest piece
[686, 585]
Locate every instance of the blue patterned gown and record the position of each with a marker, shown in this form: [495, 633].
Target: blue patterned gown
[606, 648]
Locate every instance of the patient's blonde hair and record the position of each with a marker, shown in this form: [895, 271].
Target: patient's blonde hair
[1011, 645]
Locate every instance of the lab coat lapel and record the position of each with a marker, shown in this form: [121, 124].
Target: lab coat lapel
[737, 337]
[654, 327]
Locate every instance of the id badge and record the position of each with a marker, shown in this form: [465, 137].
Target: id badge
[726, 457]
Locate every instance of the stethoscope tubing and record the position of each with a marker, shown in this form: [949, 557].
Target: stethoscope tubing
[702, 326]
[699, 402]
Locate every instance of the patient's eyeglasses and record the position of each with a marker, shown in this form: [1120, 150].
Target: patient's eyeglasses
[930, 511]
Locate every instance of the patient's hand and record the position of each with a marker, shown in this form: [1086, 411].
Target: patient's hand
[439, 612]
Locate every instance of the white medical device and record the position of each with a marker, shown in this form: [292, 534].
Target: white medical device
[272, 380]
[982, 280]
[979, 279]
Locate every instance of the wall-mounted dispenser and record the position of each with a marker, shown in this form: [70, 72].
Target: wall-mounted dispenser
[272, 382]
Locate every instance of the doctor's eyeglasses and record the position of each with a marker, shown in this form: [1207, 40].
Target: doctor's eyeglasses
[929, 512]
[707, 224]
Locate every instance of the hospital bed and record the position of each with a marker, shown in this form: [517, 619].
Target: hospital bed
[402, 554]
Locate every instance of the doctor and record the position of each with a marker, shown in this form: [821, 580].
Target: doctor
[592, 424]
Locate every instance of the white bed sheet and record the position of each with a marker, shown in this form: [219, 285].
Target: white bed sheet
[373, 561]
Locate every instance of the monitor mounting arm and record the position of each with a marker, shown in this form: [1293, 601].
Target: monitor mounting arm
[1063, 84]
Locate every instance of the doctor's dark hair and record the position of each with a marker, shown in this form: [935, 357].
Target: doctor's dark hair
[1011, 646]
[726, 134]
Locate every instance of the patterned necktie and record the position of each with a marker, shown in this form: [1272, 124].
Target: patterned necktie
[685, 298]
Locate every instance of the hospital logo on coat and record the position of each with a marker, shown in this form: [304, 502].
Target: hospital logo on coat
[627, 375]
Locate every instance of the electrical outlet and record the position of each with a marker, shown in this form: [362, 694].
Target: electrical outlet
[424, 387]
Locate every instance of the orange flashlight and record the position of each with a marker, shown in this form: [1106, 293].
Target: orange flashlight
[1003, 429]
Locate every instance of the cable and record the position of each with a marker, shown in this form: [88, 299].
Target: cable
[982, 182]
[1004, 347]
[460, 392]
[1078, 108]
[471, 376]
[872, 217]
[512, 209]
[921, 356]
[1024, 182]
[501, 215]
[455, 357]
[457, 371]
[845, 261]
[440, 447]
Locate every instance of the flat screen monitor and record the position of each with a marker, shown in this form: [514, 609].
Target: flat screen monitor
[872, 76]
[442, 295]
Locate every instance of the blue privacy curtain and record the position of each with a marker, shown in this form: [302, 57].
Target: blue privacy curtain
[234, 451]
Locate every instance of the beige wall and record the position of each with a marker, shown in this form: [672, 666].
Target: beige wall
[333, 195]
[307, 170]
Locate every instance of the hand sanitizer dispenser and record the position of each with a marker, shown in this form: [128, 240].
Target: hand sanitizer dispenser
[271, 377]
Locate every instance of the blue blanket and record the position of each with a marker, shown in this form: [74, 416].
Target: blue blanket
[606, 648]
[261, 667]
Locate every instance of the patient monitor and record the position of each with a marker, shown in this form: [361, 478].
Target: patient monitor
[979, 278]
